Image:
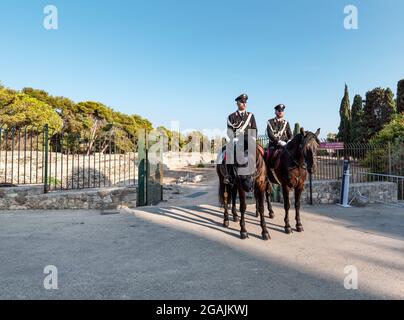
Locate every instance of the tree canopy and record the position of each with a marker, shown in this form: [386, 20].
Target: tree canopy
[360, 123]
[88, 120]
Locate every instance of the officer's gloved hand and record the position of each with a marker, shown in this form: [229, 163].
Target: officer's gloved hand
[282, 143]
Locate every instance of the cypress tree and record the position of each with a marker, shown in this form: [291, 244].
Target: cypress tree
[388, 108]
[400, 96]
[296, 129]
[345, 116]
[357, 134]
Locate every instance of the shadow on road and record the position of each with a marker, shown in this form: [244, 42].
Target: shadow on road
[373, 219]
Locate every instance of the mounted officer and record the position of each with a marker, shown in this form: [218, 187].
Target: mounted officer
[238, 125]
[239, 122]
[278, 130]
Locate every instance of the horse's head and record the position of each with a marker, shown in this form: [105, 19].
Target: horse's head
[246, 171]
[310, 144]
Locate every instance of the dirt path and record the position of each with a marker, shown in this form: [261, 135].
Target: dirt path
[190, 193]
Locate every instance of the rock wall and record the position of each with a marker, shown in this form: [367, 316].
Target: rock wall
[329, 192]
[32, 197]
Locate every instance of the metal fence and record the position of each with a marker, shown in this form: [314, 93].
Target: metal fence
[368, 162]
[385, 188]
[22, 155]
[67, 161]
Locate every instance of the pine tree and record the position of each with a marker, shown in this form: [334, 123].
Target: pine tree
[400, 96]
[296, 129]
[345, 116]
[378, 111]
[357, 120]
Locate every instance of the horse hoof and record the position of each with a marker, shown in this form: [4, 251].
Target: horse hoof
[236, 219]
[271, 216]
[299, 228]
[266, 236]
[243, 235]
[288, 230]
[257, 214]
[226, 223]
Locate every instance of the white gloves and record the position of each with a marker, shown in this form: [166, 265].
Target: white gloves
[282, 143]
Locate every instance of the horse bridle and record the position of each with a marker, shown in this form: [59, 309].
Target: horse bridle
[303, 150]
[305, 142]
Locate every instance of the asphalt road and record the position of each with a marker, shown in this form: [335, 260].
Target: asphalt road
[183, 252]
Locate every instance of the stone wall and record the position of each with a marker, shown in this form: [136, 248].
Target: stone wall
[175, 160]
[33, 197]
[329, 192]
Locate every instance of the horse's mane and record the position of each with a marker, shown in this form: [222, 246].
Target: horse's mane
[260, 164]
[297, 139]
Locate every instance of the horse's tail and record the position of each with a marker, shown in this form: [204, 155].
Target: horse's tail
[221, 186]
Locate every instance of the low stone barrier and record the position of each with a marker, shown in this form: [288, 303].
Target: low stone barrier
[33, 197]
[329, 192]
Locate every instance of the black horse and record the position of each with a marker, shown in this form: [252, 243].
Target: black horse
[290, 165]
[243, 184]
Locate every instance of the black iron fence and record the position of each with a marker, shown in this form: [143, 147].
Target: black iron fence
[61, 160]
[92, 159]
[368, 162]
[22, 155]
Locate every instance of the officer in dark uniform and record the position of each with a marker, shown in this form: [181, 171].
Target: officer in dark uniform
[278, 130]
[238, 124]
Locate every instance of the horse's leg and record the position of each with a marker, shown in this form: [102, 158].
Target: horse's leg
[233, 204]
[286, 204]
[259, 196]
[298, 193]
[225, 204]
[257, 212]
[268, 191]
[243, 208]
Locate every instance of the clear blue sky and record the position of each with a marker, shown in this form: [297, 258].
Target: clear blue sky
[187, 60]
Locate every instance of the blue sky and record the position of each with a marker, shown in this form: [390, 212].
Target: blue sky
[186, 60]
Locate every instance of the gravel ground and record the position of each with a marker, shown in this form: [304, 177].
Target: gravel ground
[179, 250]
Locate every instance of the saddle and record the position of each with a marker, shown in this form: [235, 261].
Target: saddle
[236, 169]
[272, 159]
[271, 156]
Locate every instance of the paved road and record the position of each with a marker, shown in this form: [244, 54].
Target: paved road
[183, 252]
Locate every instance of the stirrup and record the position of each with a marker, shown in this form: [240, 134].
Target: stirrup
[227, 180]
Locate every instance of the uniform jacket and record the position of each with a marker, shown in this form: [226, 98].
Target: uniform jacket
[235, 122]
[278, 130]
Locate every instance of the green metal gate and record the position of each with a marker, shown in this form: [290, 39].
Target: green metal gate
[150, 169]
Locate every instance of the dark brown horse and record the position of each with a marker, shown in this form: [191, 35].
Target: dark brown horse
[291, 165]
[243, 185]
